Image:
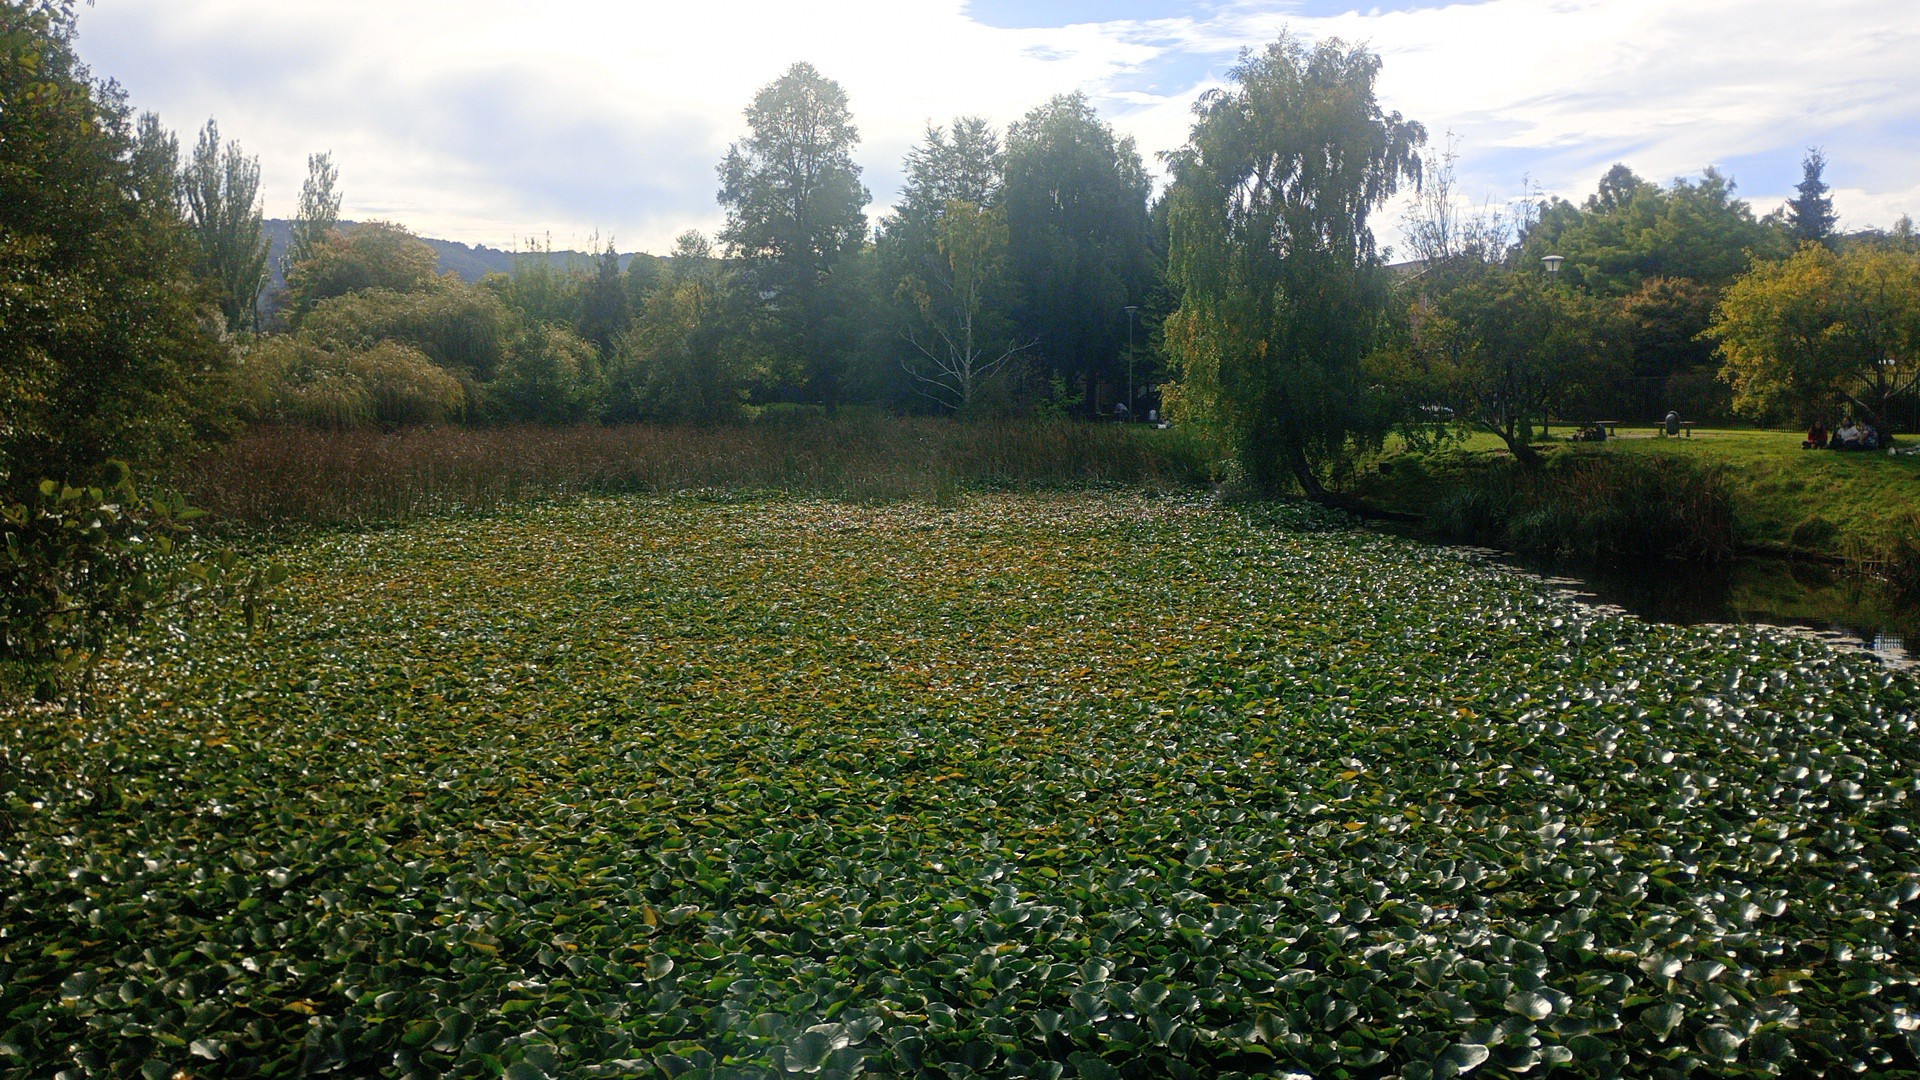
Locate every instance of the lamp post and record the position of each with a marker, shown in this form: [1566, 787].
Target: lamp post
[1132, 309]
[1552, 263]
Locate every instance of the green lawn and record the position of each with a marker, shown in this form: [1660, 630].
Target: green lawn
[1036, 785]
[1842, 505]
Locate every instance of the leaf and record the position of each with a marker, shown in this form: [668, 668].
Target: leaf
[809, 1052]
[1530, 1005]
[1662, 1019]
[1461, 1058]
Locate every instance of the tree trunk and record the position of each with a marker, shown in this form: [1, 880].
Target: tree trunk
[1296, 456]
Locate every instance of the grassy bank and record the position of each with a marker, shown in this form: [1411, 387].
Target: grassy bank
[1860, 509]
[1059, 785]
[289, 479]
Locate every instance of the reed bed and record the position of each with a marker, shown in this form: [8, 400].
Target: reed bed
[289, 479]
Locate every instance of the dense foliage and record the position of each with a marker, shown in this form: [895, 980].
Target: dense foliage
[1075, 199]
[221, 191]
[1092, 786]
[107, 346]
[1630, 230]
[81, 568]
[1505, 352]
[1280, 294]
[793, 198]
[1804, 337]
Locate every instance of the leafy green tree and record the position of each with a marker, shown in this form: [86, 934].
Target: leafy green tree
[1630, 230]
[103, 349]
[1802, 334]
[155, 162]
[1810, 216]
[222, 192]
[959, 334]
[681, 362]
[955, 166]
[319, 211]
[1271, 247]
[1075, 198]
[794, 202]
[1674, 367]
[370, 255]
[644, 272]
[963, 161]
[550, 377]
[964, 166]
[1504, 352]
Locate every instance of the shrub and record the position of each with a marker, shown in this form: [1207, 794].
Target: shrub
[82, 566]
[1595, 508]
[403, 386]
[462, 328]
[548, 378]
[1814, 533]
[294, 379]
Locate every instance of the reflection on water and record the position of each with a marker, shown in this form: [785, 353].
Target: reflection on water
[1808, 598]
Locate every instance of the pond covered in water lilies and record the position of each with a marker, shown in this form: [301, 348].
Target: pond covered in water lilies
[1091, 785]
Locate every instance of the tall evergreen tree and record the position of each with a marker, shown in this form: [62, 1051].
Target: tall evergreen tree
[795, 212]
[222, 192]
[604, 307]
[963, 162]
[1810, 216]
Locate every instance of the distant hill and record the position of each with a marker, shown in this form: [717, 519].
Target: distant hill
[470, 262]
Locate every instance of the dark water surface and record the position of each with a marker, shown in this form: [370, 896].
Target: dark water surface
[1802, 597]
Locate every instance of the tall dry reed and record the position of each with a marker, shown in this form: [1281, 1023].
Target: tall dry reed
[276, 479]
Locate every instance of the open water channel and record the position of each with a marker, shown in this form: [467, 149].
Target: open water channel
[1802, 597]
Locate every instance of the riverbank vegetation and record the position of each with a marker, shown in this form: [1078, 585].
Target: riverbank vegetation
[1705, 497]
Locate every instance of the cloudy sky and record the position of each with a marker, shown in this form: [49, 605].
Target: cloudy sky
[490, 121]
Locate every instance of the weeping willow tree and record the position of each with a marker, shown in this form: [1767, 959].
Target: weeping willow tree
[1279, 276]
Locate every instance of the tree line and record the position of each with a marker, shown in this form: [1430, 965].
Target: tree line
[1030, 271]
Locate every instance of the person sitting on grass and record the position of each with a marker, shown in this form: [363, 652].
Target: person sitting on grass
[1869, 437]
[1847, 438]
[1816, 437]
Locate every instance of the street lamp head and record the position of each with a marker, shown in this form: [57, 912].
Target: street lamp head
[1131, 308]
[1553, 262]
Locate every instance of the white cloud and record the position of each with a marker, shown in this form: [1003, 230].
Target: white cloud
[491, 120]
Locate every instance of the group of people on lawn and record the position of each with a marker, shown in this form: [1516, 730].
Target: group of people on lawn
[1850, 436]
